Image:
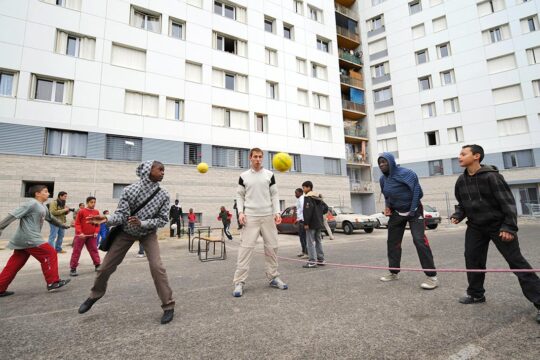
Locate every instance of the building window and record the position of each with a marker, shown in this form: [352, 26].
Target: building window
[322, 133]
[323, 44]
[288, 31]
[261, 123]
[422, 56]
[436, 168]
[439, 24]
[295, 166]
[448, 77]
[515, 126]
[230, 118]
[332, 166]
[70, 4]
[225, 10]
[302, 97]
[529, 24]
[443, 50]
[271, 56]
[8, 81]
[376, 23]
[424, 83]
[433, 3]
[298, 7]
[193, 72]
[53, 90]
[380, 70]
[533, 55]
[517, 159]
[489, 7]
[145, 19]
[415, 7]
[320, 101]
[387, 145]
[123, 148]
[118, 189]
[418, 31]
[192, 154]
[455, 135]
[315, 14]
[231, 81]
[177, 29]
[382, 94]
[507, 94]
[175, 109]
[451, 105]
[128, 57]
[230, 44]
[301, 66]
[269, 24]
[304, 130]
[66, 143]
[141, 104]
[318, 71]
[501, 63]
[197, 3]
[429, 110]
[432, 138]
[272, 90]
[386, 119]
[229, 157]
[535, 85]
[496, 34]
[26, 185]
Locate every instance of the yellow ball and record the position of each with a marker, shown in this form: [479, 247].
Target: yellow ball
[202, 167]
[282, 162]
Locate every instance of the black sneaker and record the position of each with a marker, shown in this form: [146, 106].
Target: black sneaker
[57, 285]
[73, 272]
[321, 262]
[87, 305]
[309, 265]
[468, 299]
[167, 317]
[7, 293]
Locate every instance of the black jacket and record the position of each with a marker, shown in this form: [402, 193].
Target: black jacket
[486, 200]
[175, 212]
[313, 215]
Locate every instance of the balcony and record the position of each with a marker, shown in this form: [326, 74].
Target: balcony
[348, 60]
[356, 134]
[357, 160]
[350, 81]
[352, 110]
[347, 3]
[360, 187]
[343, 10]
[347, 38]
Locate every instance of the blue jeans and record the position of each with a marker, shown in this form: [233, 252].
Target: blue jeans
[57, 234]
[191, 228]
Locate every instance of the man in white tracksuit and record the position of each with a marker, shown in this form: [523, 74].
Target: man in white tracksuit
[258, 206]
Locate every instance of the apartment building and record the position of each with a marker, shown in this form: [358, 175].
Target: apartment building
[448, 73]
[90, 88]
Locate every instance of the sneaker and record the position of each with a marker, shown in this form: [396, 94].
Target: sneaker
[309, 265]
[305, 256]
[87, 305]
[300, 255]
[73, 272]
[321, 262]
[7, 293]
[430, 283]
[278, 283]
[97, 267]
[238, 290]
[468, 299]
[167, 317]
[389, 277]
[141, 255]
[57, 285]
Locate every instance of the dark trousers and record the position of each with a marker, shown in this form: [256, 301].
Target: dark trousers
[476, 249]
[227, 230]
[178, 227]
[302, 236]
[396, 229]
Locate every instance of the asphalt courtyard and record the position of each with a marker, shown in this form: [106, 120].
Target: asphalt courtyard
[327, 313]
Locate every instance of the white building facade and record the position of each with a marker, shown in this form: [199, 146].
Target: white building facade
[445, 73]
[106, 84]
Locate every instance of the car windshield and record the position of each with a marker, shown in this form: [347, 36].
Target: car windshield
[429, 208]
[344, 210]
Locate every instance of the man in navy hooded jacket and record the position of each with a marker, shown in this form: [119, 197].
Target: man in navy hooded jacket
[402, 194]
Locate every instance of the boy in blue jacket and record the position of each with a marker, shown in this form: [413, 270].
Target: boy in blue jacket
[402, 194]
[103, 229]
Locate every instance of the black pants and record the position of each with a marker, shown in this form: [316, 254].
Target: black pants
[226, 230]
[178, 227]
[302, 235]
[396, 229]
[476, 249]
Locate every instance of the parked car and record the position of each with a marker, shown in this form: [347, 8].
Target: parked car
[290, 226]
[432, 218]
[348, 221]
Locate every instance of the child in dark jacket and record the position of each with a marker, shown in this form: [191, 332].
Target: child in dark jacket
[225, 217]
[485, 199]
[313, 224]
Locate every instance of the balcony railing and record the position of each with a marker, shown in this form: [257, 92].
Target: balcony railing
[349, 105]
[355, 132]
[353, 35]
[346, 11]
[358, 159]
[361, 186]
[352, 81]
[347, 56]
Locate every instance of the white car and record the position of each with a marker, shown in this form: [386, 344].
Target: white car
[382, 220]
[432, 218]
[348, 221]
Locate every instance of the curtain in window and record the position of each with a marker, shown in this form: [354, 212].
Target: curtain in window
[241, 48]
[241, 14]
[73, 4]
[133, 103]
[218, 78]
[128, 57]
[218, 116]
[66, 143]
[241, 83]
[61, 42]
[150, 105]
[6, 84]
[239, 119]
[88, 48]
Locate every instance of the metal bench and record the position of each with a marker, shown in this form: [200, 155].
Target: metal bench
[192, 237]
[213, 236]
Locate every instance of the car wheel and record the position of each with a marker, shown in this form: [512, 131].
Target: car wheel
[432, 226]
[348, 228]
[368, 230]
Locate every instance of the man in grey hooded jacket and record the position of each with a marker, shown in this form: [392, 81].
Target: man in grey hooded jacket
[142, 227]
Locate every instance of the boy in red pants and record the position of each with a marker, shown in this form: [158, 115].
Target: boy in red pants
[85, 234]
[28, 241]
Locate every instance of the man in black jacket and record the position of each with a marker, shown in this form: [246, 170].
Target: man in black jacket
[313, 224]
[485, 199]
[175, 216]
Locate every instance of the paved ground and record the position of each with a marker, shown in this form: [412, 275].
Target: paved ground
[327, 313]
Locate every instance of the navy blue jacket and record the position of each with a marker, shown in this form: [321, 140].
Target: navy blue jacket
[401, 188]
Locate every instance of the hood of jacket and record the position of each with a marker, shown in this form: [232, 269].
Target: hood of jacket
[143, 172]
[392, 166]
[483, 169]
[314, 195]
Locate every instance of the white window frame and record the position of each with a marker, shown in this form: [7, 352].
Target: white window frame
[146, 15]
[429, 110]
[437, 139]
[419, 53]
[223, 6]
[448, 50]
[315, 14]
[451, 74]
[421, 81]
[455, 133]
[454, 105]
[270, 21]
[177, 22]
[14, 81]
[272, 90]
[323, 44]
[67, 89]
[291, 31]
[270, 56]
[178, 109]
[301, 66]
[415, 7]
[261, 123]
[305, 130]
[298, 7]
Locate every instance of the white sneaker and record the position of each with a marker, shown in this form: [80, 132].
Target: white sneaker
[430, 283]
[389, 277]
[238, 290]
[278, 283]
[141, 255]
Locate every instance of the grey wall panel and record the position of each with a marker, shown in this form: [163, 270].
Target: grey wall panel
[166, 151]
[343, 163]
[21, 139]
[96, 145]
[313, 164]
[494, 159]
[206, 154]
[447, 167]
